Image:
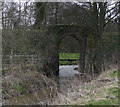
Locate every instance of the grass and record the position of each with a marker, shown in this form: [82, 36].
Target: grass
[100, 92]
[68, 56]
[114, 91]
[67, 63]
[113, 74]
[103, 102]
[112, 94]
[108, 100]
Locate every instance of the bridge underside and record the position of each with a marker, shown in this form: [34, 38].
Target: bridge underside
[57, 33]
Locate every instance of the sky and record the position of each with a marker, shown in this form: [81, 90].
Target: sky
[22, 1]
[59, 0]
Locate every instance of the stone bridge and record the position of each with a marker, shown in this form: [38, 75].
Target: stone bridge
[58, 33]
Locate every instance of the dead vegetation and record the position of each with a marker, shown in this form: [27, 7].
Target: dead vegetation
[28, 86]
[19, 83]
[91, 92]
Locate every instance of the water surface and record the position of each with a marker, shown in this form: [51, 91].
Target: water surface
[67, 70]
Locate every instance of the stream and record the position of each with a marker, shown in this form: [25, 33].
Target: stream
[67, 70]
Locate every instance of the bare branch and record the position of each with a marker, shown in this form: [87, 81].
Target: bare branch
[81, 8]
[112, 4]
[111, 19]
[110, 9]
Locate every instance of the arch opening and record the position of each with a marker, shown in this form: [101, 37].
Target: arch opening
[69, 54]
[60, 34]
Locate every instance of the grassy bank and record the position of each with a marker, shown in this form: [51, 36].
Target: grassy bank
[110, 92]
[102, 91]
[68, 56]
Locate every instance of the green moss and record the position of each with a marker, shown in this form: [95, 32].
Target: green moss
[4, 91]
[19, 88]
[91, 41]
[44, 83]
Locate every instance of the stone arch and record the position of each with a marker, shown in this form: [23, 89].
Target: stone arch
[57, 32]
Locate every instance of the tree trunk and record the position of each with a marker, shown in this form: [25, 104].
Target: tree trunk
[40, 11]
[97, 58]
[119, 42]
[83, 44]
[98, 17]
[56, 13]
[53, 64]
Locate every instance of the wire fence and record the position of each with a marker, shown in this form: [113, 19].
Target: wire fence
[11, 61]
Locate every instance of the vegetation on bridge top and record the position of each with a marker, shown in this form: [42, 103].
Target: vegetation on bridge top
[80, 29]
